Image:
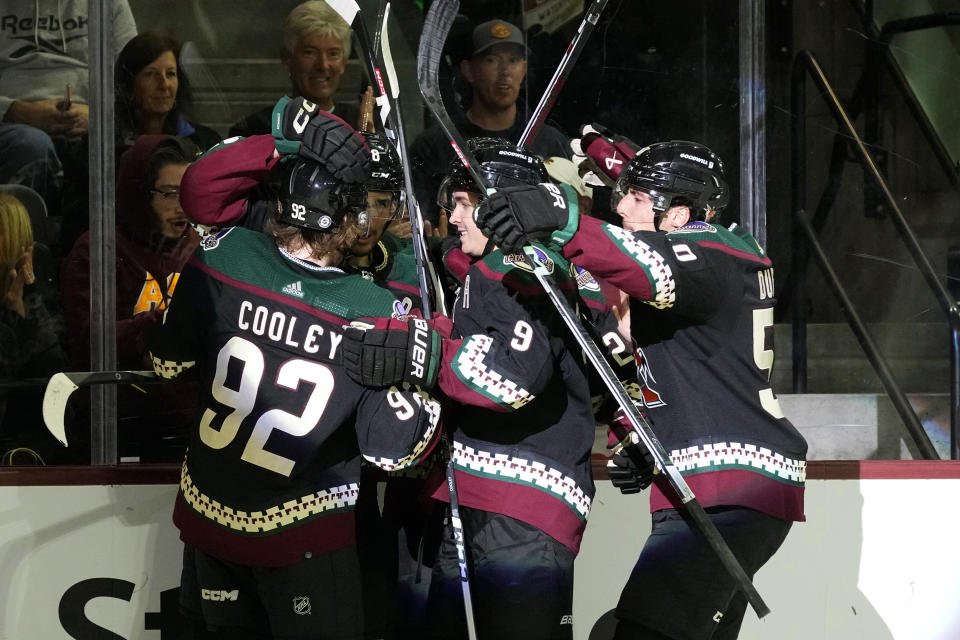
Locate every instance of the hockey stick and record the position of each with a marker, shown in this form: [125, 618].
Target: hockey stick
[390, 117]
[560, 76]
[61, 385]
[437, 25]
[424, 266]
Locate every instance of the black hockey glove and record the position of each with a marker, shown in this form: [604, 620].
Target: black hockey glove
[300, 126]
[338, 147]
[402, 351]
[513, 216]
[632, 468]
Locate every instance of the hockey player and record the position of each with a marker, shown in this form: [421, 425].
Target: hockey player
[270, 480]
[702, 313]
[380, 255]
[525, 428]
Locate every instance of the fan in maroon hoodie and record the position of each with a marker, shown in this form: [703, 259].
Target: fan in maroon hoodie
[153, 241]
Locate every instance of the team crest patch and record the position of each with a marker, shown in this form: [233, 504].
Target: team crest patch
[696, 227]
[212, 240]
[540, 257]
[584, 278]
[301, 606]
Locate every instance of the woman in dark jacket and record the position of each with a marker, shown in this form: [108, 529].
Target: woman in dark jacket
[153, 93]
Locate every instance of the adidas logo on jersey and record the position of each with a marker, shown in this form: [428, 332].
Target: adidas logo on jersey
[293, 289]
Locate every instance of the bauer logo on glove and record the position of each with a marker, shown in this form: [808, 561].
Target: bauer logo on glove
[397, 351]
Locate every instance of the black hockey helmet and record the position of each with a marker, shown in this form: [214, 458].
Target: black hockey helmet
[502, 164]
[676, 173]
[310, 197]
[386, 172]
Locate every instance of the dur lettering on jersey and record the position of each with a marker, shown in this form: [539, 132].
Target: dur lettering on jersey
[765, 282]
[282, 328]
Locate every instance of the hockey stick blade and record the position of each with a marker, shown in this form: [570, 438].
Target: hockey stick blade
[693, 508]
[63, 384]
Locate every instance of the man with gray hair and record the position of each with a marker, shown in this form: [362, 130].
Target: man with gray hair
[316, 46]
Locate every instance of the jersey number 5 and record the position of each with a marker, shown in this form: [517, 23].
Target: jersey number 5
[763, 357]
[242, 399]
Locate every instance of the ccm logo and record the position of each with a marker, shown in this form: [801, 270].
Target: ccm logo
[418, 357]
[219, 595]
[303, 116]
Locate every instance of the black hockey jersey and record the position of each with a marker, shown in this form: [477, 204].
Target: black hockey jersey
[524, 430]
[273, 466]
[702, 315]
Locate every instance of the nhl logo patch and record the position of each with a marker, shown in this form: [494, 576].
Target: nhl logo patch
[301, 606]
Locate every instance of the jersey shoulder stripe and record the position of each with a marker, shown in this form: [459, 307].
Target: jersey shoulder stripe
[739, 245]
[249, 260]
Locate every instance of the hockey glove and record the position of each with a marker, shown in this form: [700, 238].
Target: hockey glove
[338, 147]
[632, 468]
[289, 120]
[600, 154]
[404, 351]
[300, 126]
[513, 216]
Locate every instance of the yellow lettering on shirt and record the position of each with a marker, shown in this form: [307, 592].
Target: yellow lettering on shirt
[151, 297]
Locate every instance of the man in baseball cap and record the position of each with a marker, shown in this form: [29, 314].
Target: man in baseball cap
[494, 32]
[495, 71]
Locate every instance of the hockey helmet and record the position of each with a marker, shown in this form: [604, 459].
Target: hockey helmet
[502, 164]
[676, 173]
[386, 172]
[311, 198]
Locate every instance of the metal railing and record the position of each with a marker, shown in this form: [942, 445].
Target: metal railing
[804, 63]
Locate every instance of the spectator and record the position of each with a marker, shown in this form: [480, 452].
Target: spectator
[153, 242]
[495, 71]
[316, 46]
[29, 334]
[44, 48]
[153, 93]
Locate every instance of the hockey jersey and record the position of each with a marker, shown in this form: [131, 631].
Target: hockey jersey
[525, 428]
[702, 315]
[273, 466]
[392, 266]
